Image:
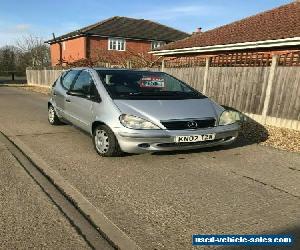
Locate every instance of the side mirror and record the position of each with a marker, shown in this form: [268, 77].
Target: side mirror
[75, 93]
[94, 98]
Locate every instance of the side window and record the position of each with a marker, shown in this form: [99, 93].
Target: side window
[83, 83]
[116, 44]
[68, 78]
[157, 44]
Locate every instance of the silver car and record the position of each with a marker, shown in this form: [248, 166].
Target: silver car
[139, 111]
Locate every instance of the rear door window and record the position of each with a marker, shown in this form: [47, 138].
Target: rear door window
[69, 78]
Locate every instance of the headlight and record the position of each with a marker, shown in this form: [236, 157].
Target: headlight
[133, 122]
[229, 117]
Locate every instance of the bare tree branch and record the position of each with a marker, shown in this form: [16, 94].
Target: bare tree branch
[35, 49]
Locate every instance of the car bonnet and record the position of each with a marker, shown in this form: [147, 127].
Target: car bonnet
[162, 110]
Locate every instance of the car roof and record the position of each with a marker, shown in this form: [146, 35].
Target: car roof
[114, 69]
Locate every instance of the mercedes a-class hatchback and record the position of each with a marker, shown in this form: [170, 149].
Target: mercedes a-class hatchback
[139, 111]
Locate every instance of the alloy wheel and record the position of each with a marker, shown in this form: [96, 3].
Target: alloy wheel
[51, 114]
[101, 141]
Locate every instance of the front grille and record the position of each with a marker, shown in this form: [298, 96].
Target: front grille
[189, 124]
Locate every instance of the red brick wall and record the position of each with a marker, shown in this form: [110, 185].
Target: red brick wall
[98, 47]
[75, 49]
[72, 50]
[54, 51]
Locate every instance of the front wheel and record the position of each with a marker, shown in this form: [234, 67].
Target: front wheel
[105, 142]
[52, 116]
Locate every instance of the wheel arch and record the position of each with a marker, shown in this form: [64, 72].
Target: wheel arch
[95, 124]
[114, 147]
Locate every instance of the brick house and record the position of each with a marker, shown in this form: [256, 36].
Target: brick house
[112, 39]
[251, 40]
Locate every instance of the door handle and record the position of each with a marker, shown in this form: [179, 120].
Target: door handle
[68, 100]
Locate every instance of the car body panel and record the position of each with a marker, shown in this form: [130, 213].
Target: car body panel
[59, 98]
[130, 141]
[162, 110]
[80, 111]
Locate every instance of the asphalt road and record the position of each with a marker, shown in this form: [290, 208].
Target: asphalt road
[28, 218]
[160, 200]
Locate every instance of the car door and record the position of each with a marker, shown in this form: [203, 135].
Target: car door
[60, 95]
[81, 100]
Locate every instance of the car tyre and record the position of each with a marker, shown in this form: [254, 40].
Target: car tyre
[105, 142]
[52, 116]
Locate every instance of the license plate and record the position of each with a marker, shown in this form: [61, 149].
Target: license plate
[195, 138]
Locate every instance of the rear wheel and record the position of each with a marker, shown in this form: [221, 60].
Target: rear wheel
[52, 116]
[105, 142]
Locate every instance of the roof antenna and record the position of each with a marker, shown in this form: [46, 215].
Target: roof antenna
[54, 38]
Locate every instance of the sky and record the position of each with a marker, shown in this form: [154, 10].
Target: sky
[41, 18]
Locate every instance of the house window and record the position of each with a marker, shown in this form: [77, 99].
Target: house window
[116, 44]
[157, 44]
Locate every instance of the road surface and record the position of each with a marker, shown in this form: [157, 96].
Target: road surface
[28, 218]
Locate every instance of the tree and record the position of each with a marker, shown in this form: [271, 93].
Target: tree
[35, 52]
[29, 52]
[7, 59]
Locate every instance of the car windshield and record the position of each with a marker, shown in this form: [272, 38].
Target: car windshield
[126, 84]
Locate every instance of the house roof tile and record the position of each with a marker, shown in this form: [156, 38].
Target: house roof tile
[128, 28]
[279, 23]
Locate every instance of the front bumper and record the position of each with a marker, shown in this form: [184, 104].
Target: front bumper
[142, 141]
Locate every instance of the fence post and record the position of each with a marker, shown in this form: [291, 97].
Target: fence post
[269, 87]
[163, 65]
[28, 76]
[205, 79]
[46, 77]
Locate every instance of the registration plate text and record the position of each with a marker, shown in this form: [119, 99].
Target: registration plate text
[195, 138]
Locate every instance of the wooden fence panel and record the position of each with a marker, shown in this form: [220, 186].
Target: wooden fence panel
[42, 77]
[191, 75]
[151, 69]
[285, 94]
[242, 88]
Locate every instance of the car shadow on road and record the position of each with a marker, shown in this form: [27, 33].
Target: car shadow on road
[251, 132]
[294, 232]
